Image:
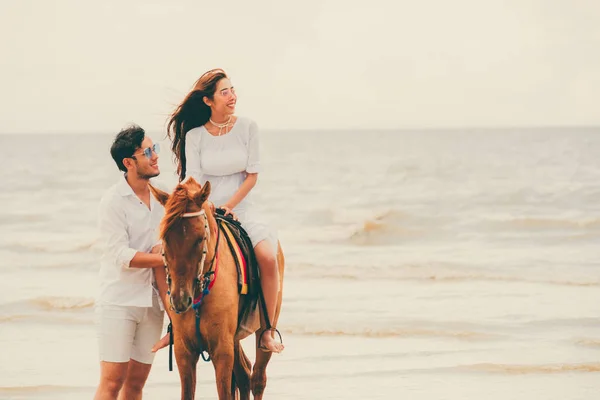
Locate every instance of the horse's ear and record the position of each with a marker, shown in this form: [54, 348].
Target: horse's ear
[202, 195]
[161, 196]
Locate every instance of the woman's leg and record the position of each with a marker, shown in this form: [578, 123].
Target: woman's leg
[269, 279]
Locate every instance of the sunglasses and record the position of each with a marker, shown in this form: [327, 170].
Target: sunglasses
[148, 151]
[227, 92]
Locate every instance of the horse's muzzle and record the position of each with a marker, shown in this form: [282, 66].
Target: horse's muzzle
[181, 302]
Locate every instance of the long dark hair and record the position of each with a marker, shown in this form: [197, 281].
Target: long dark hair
[192, 113]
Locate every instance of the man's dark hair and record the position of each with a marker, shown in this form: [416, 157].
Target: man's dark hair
[126, 143]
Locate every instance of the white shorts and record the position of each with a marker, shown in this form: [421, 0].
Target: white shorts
[258, 230]
[126, 332]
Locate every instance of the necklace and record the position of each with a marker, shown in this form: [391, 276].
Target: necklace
[222, 126]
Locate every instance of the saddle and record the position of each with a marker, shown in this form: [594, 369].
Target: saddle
[249, 286]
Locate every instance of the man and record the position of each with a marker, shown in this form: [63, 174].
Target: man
[129, 313]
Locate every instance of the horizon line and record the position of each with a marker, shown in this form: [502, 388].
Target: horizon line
[403, 129]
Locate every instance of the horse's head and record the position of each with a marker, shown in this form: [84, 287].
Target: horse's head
[185, 231]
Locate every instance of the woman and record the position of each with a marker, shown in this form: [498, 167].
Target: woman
[211, 144]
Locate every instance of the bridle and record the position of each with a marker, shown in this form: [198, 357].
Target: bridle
[202, 279]
[202, 282]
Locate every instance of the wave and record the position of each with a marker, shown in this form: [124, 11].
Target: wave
[388, 333]
[16, 219]
[33, 389]
[386, 229]
[393, 227]
[50, 248]
[424, 273]
[518, 369]
[48, 319]
[12, 318]
[531, 223]
[23, 308]
[39, 390]
[49, 310]
[589, 342]
[62, 303]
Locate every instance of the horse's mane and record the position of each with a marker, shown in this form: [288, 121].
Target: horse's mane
[174, 209]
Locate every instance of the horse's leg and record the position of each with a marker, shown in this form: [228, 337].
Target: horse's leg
[222, 359]
[258, 380]
[241, 371]
[259, 371]
[186, 364]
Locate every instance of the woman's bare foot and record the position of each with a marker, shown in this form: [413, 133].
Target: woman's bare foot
[269, 344]
[164, 342]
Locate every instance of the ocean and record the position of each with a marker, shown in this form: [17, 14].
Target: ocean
[424, 264]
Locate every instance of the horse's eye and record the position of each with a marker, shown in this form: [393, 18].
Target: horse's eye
[199, 241]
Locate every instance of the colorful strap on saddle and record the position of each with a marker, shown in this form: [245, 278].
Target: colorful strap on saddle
[241, 260]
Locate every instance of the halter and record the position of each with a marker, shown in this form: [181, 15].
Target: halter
[203, 279]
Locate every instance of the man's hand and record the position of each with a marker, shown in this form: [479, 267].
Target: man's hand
[156, 249]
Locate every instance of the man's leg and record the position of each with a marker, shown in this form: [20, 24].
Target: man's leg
[112, 376]
[116, 329]
[137, 373]
[148, 332]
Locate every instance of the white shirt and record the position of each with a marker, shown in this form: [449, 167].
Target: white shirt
[126, 227]
[224, 161]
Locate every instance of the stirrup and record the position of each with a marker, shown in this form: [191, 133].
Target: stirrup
[266, 350]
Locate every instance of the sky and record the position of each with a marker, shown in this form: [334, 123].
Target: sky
[83, 66]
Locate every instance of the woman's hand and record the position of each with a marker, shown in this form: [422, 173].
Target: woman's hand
[228, 212]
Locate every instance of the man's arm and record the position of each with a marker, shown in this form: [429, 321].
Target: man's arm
[115, 239]
[146, 260]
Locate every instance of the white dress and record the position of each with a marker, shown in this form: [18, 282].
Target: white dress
[224, 161]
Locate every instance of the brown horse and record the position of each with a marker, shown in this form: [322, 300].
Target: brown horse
[195, 255]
